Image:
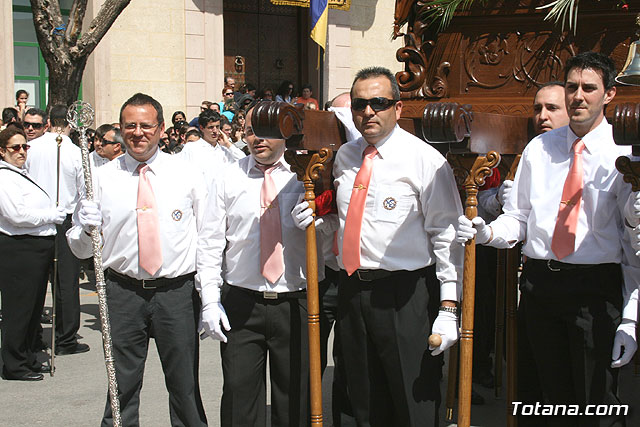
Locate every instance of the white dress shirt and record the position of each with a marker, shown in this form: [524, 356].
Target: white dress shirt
[42, 167]
[25, 208]
[180, 195]
[411, 210]
[209, 159]
[97, 160]
[531, 210]
[229, 239]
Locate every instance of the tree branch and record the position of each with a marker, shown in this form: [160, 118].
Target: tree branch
[74, 26]
[46, 18]
[99, 26]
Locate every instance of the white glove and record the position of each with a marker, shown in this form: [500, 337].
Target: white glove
[625, 337]
[89, 214]
[302, 216]
[632, 209]
[445, 325]
[56, 215]
[468, 228]
[504, 191]
[211, 316]
[634, 235]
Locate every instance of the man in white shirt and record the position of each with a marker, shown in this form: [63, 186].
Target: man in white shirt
[148, 206]
[396, 251]
[579, 285]
[252, 279]
[214, 150]
[35, 123]
[42, 165]
[108, 144]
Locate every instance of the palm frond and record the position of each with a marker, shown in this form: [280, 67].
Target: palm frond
[442, 11]
[562, 11]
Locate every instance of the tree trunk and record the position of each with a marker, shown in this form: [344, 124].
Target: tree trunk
[65, 48]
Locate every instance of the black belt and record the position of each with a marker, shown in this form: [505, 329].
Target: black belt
[371, 275]
[553, 265]
[273, 295]
[149, 283]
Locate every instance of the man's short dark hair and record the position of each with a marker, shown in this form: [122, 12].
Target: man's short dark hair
[37, 112]
[208, 116]
[58, 115]
[595, 61]
[307, 86]
[549, 84]
[143, 99]
[104, 129]
[371, 72]
[9, 114]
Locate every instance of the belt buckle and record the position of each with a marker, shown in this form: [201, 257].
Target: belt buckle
[551, 268]
[362, 279]
[144, 284]
[269, 295]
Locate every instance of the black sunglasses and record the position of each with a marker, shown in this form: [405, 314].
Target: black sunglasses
[107, 142]
[15, 148]
[36, 126]
[377, 104]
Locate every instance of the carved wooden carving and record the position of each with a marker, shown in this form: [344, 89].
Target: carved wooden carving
[495, 57]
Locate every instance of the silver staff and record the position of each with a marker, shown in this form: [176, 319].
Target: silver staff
[80, 116]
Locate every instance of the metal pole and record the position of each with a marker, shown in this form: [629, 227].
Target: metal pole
[80, 116]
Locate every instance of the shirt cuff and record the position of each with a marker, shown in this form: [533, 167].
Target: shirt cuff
[210, 294]
[449, 291]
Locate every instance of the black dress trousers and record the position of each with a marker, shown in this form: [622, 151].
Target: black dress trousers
[24, 268]
[67, 290]
[571, 318]
[384, 326]
[170, 315]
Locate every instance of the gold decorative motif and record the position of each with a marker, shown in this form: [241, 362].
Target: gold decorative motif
[333, 4]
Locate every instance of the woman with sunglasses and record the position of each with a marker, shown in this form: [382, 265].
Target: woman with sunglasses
[27, 230]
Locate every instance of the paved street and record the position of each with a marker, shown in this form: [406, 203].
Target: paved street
[76, 395]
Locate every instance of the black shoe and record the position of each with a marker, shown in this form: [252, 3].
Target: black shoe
[484, 378]
[31, 376]
[74, 349]
[42, 369]
[476, 399]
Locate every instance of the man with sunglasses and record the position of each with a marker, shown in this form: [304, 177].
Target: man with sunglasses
[398, 205]
[35, 123]
[42, 165]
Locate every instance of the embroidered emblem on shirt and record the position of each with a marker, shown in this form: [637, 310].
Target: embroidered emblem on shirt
[389, 203]
[176, 215]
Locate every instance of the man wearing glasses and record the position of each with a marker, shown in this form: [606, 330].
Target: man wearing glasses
[35, 123]
[398, 206]
[148, 206]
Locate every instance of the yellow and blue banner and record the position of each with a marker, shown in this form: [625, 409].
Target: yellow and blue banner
[319, 17]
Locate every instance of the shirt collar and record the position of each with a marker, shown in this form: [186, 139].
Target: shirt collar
[383, 148]
[593, 141]
[10, 166]
[280, 164]
[153, 162]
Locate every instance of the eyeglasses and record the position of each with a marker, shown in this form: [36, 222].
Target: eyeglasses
[15, 148]
[107, 142]
[35, 126]
[144, 127]
[228, 94]
[377, 104]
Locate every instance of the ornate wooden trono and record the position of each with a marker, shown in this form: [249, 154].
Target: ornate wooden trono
[494, 57]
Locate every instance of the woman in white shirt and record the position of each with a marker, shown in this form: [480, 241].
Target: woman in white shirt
[27, 230]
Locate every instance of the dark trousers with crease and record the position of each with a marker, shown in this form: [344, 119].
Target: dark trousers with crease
[384, 326]
[67, 290]
[170, 315]
[571, 318]
[24, 267]
[259, 327]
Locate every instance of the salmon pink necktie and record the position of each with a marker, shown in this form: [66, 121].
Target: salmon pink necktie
[564, 234]
[353, 223]
[271, 252]
[149, 246]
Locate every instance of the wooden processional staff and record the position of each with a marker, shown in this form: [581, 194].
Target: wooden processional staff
[80, 116]
[307, 155]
